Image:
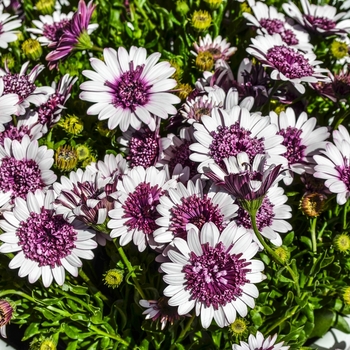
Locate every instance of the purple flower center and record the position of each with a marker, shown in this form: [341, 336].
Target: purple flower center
[264, 216]
[18, 84]
[196, 211]
[181, 155]
[277, 26]
[1, 32]
[143, 149]
[231, 140]
[14, 133]
[344, 172]
[320, 22]
[140, 208]
[47, 111]
[130, 90]
[20, 177]
[216, 277]
[46, 238]
[55, 30]
[292, 140]
[289, 62]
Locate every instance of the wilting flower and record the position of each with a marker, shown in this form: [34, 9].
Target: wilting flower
[334, 165]
[75, 34]
[7, 25]
[322, 19]
[24, 167]
[288, 63]
[45, 243]
[219, 48]
[160, 310]
[6, 312]
[134, 215]
[259, 342]
[23, 85]
[213, 273]
[129, 88]
[191, 205]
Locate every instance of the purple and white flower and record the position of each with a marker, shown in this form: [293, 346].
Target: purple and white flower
[46, 244]
[288, 63]
[213, 273]
[259, 342]
[8, 106]
[7, 25]
[130, 89]
[6, 312]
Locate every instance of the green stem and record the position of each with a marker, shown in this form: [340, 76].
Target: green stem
[105, 334]
[280, 321]
[130, 269]
[183, 332]
[16, 292]
[96, 48]
[273, 254]
[313, 236]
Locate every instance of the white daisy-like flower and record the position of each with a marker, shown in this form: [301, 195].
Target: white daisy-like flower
[322, 19]
[46, 244]
[130, 89]
[8, 106]
[23, 85]
[24, 167]
[259, 342]
[334, 165]
[301, 139]
[191, 205]
[226, 134]
[288, 63]
[270, 21]
[134, 215]
[7, 25]
[219, 47]
[213, 273]
[49, 29]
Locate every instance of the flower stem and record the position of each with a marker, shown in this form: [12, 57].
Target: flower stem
[280, 321]
[313, 236]
[130, 269]
[273, 254]
[105, 334]
[183, 332]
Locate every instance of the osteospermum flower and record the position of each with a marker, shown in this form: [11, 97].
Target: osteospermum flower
[322, 19]
[75, 34]
[23, 85]
[130, 89]
[24, 167]
[259, 342]
[288, 63]
[219, 48]
[334, 165]
[45, 243]
[191, 205]
[8, 107]
[134, 215]
[270, 21]
[7, 25]
[6, 312]
[301, 139]
[213, 273]
[226, 134]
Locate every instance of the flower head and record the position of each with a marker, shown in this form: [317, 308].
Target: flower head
[213, 273]
[45, 243]
[6, 312]
[129, 88]
[258, 342]
[7, 25]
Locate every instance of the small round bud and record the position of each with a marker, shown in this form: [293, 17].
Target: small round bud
[66, 158]
[238, 328]
[184, 90]
[346, 295]
[72, 124]
[213, 4]
[8, 60]
[283, 253]
[83, 152]
[46, 7]
[181, 7]
[204, 61]
[342, 243]
[339, 49]
[32, 49]
[201, 20]
[113, 278]
[313, 204]
[48, 344]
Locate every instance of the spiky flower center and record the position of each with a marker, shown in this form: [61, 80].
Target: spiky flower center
[130, 90]
[216, 277]
[344, 174]
[20, 177]
[274, 26]
[14, 133]
[293, 142]
[321, 22]
[231, 140]
[55, 30]
[140, 208]
[46, 238]
[197, 211]
[181, 155]
[18, 84]
[143, 149]
[289, 62]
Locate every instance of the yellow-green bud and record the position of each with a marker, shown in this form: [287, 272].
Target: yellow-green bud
[113, 278]
[204, 61]
[201, 20]
[32, 49]
[181, 7]
[46, 7]
[214, 4]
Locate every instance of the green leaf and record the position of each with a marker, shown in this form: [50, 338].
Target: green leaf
[72, 345]
[71, 331]
[307, 241]
[326, 261]
[281, 278]
[324, 320]
[288, 239]
[32, 330]
[97, 317]
[47, 314]
[256, 318]
[104, 343]
[342, 325]
[266, 310]
[94, 346]
[79, 317]
[73, 306]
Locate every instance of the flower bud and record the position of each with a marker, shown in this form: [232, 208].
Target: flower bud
[32, 49]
